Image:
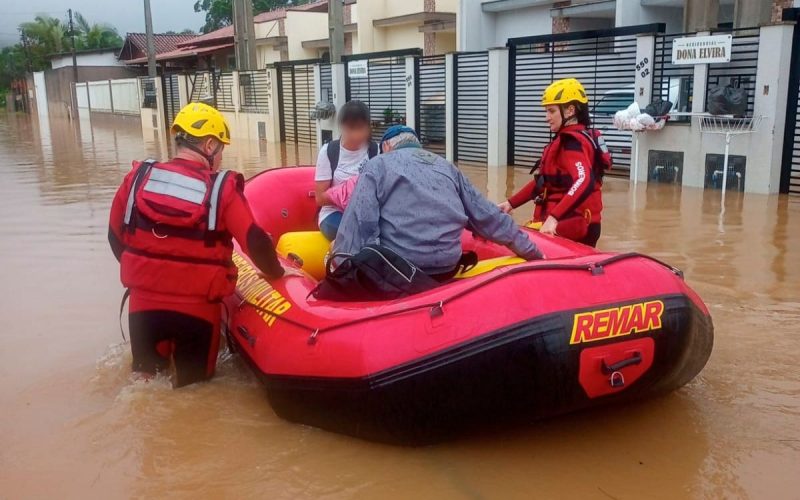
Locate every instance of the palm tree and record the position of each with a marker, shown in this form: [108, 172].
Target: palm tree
[97, 35]
[46, 32]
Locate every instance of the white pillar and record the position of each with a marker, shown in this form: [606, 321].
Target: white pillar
[411, 93]
[317, 98]
[236, 93]
[643, 95]
[449, 105]
[339, 92]
[765, 154]
[694, 161]
[183, 90]
[274, 123]
[498, 108]
[160, 107]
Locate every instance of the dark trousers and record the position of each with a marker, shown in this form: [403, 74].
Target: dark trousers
[191, 341]
[592, 235]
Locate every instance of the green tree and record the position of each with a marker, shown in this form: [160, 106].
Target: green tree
[12, 67]
[95, 36]
[219, 13]
[187, 31]
[46, 34]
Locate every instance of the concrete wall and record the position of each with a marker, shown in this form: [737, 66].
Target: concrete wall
[268, 29]
[590, 23]
[401, 37]
[521, 22]
[267, 55]
[392, 8]
[59, 83]
[632, 12]
[40, 93]
[493, 29]
[762, 148]
[371, 39]
[445, 42]
[447, 5]
[304, 26]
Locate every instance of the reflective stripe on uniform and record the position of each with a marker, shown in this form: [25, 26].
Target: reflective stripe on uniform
[141, 172]
[216, 192]
[176, 185]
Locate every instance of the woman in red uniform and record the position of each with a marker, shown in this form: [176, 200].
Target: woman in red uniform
[567, 190]
[170, 227]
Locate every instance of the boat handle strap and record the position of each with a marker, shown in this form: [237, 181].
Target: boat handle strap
[634, 360]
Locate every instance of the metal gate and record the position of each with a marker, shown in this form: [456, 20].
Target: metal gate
[471, 105]
[295, 100]
[325, 82]
[790, 171]
[172, 97]
[742, 68]
[672, 82]
[203, 86]
[604, 61]
[431, 102]
[382, 87]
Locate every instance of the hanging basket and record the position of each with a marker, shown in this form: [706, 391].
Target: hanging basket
[722, 124]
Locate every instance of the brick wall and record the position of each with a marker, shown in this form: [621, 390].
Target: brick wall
[777, 9]
[561, 24]
[348, 43]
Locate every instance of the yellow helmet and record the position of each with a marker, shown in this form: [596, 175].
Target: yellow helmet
[563, 92]
[201, 120]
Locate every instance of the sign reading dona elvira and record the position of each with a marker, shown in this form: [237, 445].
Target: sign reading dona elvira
[358, 68]
[702, 49]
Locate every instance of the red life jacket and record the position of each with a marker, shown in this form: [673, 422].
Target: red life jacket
[553, 183]
[173, 240]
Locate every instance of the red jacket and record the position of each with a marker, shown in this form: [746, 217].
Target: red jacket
[172, 232]
[567, 180]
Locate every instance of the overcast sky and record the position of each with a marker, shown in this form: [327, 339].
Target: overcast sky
[125, 15]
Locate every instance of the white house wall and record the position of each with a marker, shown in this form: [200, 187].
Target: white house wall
[304, 26]
[98, 59]
[490, 29]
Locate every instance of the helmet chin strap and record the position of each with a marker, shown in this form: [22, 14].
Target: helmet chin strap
[563, 119]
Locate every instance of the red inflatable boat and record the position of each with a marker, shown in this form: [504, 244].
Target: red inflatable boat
[509, 339]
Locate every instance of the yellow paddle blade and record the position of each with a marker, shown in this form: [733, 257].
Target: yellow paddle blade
[487, 265]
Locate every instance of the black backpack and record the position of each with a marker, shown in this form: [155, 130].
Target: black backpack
[374, 273]
[334, 147]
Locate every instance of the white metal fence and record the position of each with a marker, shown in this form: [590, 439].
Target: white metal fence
[109, 96]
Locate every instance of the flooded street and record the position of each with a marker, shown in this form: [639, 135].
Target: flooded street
[72, 425]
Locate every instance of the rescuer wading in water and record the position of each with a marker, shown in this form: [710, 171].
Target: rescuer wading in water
[171, 228]
[567, 190]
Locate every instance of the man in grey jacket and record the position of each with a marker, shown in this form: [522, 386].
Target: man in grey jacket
[418, 204]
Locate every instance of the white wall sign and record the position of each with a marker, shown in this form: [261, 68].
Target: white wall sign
[702, 49]
[358, 69]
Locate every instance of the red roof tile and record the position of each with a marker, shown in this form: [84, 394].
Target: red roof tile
[210, 37]
[163, 42]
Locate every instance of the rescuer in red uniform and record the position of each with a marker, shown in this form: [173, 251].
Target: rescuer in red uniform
[567, 190]
[171, 229]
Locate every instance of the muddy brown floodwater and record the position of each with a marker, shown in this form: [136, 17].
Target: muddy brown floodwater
[72, 425]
